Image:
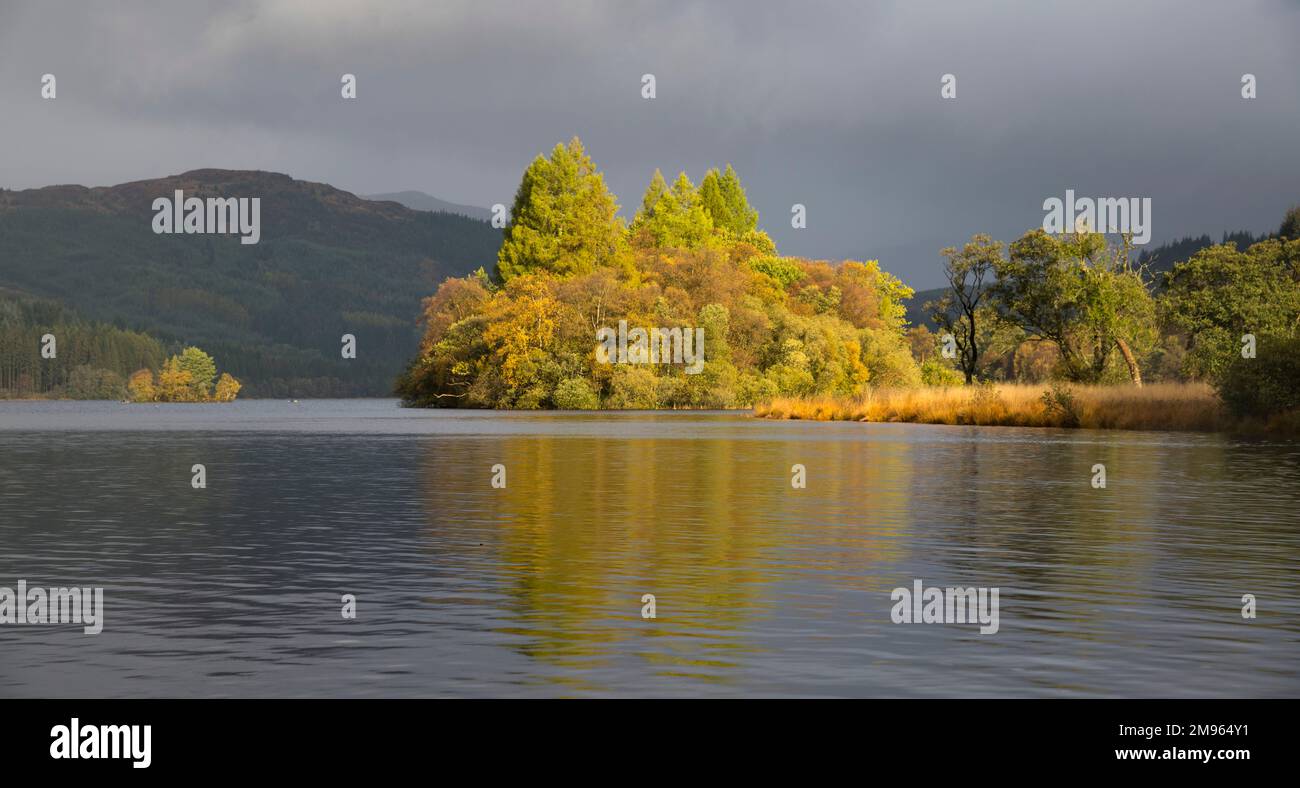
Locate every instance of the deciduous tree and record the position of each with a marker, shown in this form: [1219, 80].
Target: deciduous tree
[1079, 293]
[969, 271]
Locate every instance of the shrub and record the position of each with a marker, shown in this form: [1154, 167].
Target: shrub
[633, 388]
[984, 397]
[783, 269]
[1266, 385]
[87, 382]
[1061, 405]
[575, 394]
[936, 373]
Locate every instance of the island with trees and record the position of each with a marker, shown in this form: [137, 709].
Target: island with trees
[1050, 330]
[48, 351]
[693, 256]
[190, 376]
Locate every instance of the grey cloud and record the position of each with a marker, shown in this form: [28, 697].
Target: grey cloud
[834, 105]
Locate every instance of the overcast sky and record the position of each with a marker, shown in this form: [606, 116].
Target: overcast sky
[833, 105]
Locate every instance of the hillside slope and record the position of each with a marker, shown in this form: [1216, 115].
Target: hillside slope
[419, 201]
[328, 263]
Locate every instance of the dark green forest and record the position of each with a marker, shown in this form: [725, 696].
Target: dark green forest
[91, 360]
[328, 264]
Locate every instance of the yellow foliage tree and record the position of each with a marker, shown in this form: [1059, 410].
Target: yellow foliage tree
[227, 388]
[525, 322]
[174, 383]
[141, 386]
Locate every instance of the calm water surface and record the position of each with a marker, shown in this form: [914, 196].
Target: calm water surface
[463, 589]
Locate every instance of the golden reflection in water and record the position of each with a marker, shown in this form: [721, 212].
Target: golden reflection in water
[586, 526]
[740, 563]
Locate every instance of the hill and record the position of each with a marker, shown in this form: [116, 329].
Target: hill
[328, 263]
[419, 201]
[916, 314]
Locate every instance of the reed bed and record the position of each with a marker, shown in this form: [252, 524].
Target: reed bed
[1160, 406]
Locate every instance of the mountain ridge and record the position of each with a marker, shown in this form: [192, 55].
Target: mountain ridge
[328, 263]
[423, 201]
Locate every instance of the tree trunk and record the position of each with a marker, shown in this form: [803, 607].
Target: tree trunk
[1133, 370]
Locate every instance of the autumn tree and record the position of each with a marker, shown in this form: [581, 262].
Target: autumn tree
[650, 199]
[726, 203]
[871, 297]
[227, 388]
[141, 386]
[455, 300]
[672, 217]
[716, 214]
[175, 384]
[564, 220]
[519, 338]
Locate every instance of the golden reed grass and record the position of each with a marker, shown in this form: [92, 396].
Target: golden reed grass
[1160, 406]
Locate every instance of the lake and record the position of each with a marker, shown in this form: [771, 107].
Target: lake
[535, 589]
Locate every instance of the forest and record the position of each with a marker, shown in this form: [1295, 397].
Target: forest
[328, 263]
[91, 360]
[48, 351]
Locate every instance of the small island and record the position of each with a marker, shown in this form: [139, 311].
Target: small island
[186, 377]
[49, 351]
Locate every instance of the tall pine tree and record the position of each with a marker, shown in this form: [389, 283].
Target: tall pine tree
[724, 199]
[564, 219]
[672, 217]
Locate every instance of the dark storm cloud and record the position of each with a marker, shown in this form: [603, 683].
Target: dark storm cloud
[834, 105]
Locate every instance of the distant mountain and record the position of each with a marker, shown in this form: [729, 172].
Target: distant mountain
[419, 201]
[272, 313]
[916, 314]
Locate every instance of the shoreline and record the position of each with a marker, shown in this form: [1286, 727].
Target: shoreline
[1158, 407]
